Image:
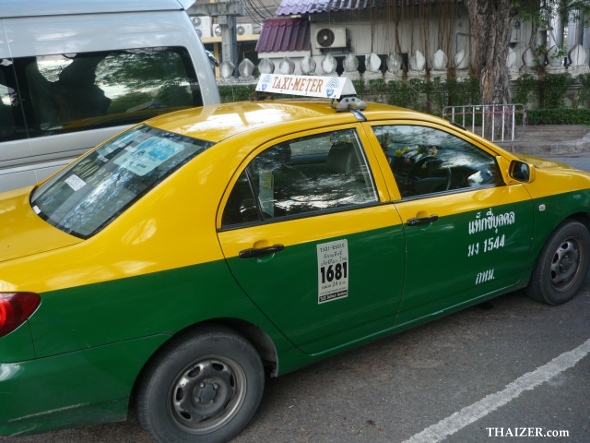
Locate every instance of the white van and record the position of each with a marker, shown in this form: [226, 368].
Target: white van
[75, 72]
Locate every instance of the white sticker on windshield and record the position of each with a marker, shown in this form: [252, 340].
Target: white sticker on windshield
[75, 182]
[148, 155]
[266, 192]
[333, 270]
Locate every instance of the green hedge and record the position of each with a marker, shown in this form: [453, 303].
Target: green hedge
[413, 94]
[554, 89]
[562, 116]
[432, 96]
[235, 93]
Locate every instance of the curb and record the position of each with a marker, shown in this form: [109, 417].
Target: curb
[554, 140]
[556, 148]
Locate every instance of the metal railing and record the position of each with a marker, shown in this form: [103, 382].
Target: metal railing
[497, 123]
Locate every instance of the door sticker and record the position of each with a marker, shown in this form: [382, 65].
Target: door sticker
[333, 270]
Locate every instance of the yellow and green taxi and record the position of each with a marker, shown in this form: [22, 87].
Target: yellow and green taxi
[176, 264]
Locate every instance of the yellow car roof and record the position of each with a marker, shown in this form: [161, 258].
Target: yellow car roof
[218, 122]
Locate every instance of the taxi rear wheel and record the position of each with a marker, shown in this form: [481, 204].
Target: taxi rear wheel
[204, 388]
[562, 265]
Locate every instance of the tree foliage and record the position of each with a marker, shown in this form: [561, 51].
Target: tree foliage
[491, 23]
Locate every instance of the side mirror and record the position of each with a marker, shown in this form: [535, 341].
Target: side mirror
[522, 172]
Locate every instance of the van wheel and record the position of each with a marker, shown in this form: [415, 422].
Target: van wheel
[562, 265]
[204, 388]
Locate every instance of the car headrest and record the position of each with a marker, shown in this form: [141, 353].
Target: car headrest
[342, 158]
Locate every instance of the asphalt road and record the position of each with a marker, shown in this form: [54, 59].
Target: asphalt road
[510, 370]
[580, 162]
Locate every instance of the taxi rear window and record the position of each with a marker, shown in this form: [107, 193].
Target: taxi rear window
[94, 190]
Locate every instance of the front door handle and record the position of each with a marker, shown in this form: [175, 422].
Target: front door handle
[257, 252]
[422, 220]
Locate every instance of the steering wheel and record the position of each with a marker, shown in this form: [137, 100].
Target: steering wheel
[419, 180]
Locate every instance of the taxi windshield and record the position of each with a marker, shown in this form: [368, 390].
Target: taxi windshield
[93, 191]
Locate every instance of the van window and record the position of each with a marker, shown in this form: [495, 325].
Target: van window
[8, 102]
[76, 92]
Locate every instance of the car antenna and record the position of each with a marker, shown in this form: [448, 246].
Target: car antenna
[458, 125]
[351, 104]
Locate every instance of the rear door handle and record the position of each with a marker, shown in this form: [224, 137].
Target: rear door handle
[422, 220]
[257, 252]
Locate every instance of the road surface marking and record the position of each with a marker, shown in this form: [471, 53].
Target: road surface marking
[529, 381]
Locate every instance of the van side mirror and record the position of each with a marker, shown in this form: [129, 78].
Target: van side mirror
[522, 172]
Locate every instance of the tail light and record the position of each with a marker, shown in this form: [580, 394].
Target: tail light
[15, 309]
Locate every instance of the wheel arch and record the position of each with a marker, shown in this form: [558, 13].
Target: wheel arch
[582, 217]
[534, 281]
[257, 337]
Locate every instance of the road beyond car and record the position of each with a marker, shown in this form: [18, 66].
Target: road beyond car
[177, 264]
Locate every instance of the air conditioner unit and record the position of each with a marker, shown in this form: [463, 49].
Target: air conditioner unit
[203, 25]
[245, 29]
[326, 38]
[241, 29]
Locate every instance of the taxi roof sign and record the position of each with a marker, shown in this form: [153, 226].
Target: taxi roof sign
[305, 85]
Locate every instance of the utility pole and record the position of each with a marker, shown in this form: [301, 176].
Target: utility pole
[226, 13]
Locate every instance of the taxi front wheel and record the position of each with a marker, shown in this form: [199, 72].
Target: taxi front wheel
[204, 388]
[562, 265]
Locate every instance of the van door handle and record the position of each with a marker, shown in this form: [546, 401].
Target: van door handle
[257, 252]
[422, 220]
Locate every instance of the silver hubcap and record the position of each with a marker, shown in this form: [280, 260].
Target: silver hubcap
[208, 394]
[565, 264]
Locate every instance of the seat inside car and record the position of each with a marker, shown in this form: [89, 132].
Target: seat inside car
[344, 165]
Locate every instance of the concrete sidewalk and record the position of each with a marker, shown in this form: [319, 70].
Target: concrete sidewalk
[551, 140]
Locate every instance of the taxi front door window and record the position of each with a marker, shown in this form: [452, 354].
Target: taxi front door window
[426, 161]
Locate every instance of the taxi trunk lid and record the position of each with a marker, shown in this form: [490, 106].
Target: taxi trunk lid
[23, 232]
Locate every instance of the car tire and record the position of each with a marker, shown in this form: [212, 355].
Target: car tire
[204, 388]
[562, 265]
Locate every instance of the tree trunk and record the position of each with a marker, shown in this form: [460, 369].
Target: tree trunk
[491, 23]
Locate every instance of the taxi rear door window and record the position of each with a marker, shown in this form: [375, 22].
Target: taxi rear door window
[304, 176]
